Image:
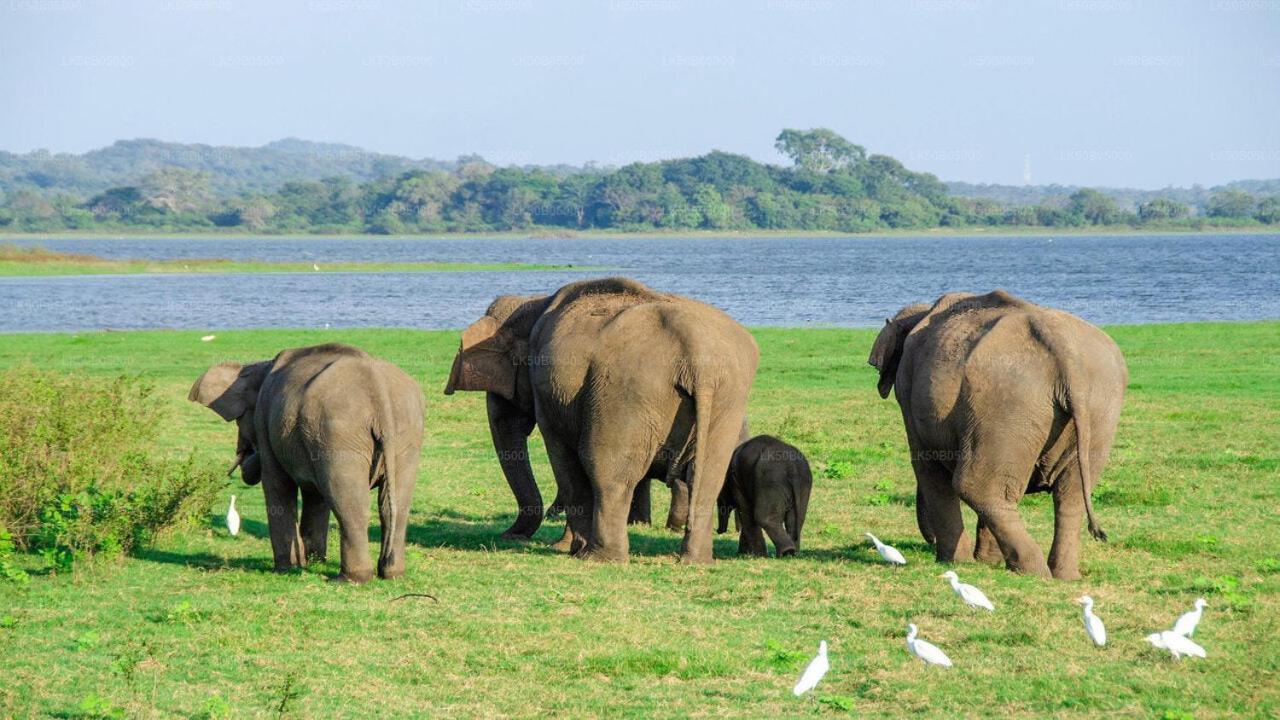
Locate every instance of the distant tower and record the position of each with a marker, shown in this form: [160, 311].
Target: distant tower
[1026, 169]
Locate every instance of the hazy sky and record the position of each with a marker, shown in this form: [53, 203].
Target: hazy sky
[1139, 93]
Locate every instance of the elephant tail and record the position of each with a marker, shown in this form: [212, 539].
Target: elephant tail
[1078, 409]
[801, 485]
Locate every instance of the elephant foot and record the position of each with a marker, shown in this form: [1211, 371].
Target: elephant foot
[391, 573]
[989, 555]
[598, 556]
[1039, 570]
[1067, 574]
[522, 529]
[704, 557]
[357, 577]
[675, 528]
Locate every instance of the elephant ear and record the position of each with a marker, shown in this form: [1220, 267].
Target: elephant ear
[885, 354]
[486, 360]
[229, 388]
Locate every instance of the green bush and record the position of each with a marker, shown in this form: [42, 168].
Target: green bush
[76, 474]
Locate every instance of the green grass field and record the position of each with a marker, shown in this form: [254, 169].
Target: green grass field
[198, 626]
[37, 261]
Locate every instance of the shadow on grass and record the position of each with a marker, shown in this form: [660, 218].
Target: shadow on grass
[206, 561]
[459, 531]
[864, 553]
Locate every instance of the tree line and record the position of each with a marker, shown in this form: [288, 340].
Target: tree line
[831, 185]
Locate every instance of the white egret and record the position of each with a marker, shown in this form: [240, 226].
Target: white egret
[1186, 625]
[1176, 644]
[888, 553]
[208, 338]
[818, 667]
[1092, 623]
[233, 518]
[971, 595]
[315, 267]
[925, 650]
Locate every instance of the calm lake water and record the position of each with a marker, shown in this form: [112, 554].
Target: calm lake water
[771, 281]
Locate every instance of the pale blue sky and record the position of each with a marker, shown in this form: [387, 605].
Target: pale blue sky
[1099, 92]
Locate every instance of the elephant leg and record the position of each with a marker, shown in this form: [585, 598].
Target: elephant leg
[556, 508]
[281, 496]
[353, 528]
[710, 465]
[573, 493]
[641, 513]
[344, 479]
[395, 521]
[751, 540]
[315, 523]
[992, 481]
[1068, 518]
[922, 517]
[509, 429]
[678, 515]
[986, 549]
[774, 527]
[942, 509]
[609, 540]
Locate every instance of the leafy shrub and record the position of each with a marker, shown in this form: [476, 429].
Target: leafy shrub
[8, 569]
[76, 476]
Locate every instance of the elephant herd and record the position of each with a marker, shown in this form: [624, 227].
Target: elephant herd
[1000, 397]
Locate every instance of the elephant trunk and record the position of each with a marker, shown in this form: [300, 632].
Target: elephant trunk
[510, 430]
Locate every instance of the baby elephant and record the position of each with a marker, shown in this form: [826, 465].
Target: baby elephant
[768, 483]
[332, 422]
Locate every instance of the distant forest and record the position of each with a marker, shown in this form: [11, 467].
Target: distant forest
[293, 186]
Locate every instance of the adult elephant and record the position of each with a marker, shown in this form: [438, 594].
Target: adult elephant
[1001, 397]
[624, 383]
[511, 421]
[332, 422]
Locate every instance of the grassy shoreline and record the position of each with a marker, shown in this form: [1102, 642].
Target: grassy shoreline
[35, 261]
[198, 626]
[1032, 232]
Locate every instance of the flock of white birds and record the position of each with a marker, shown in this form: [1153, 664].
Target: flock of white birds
[1177, 641]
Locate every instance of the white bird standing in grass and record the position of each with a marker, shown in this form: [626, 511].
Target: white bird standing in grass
[233, 518]
[315, 267]
[814, 672]
[1092, 624]
[971, 595]
[888, 553]
[1186, 625]
[1176, 644]
[925, 650]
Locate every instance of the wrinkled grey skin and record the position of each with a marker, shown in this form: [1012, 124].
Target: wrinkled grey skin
[1001, 397]
[641, 512]
[623, 383]
[768, 484]
[678, 512]
[331, 422]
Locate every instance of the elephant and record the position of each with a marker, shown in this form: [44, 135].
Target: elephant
[624, 383]
[768, 484]
[1001, 397]
[332, 422]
